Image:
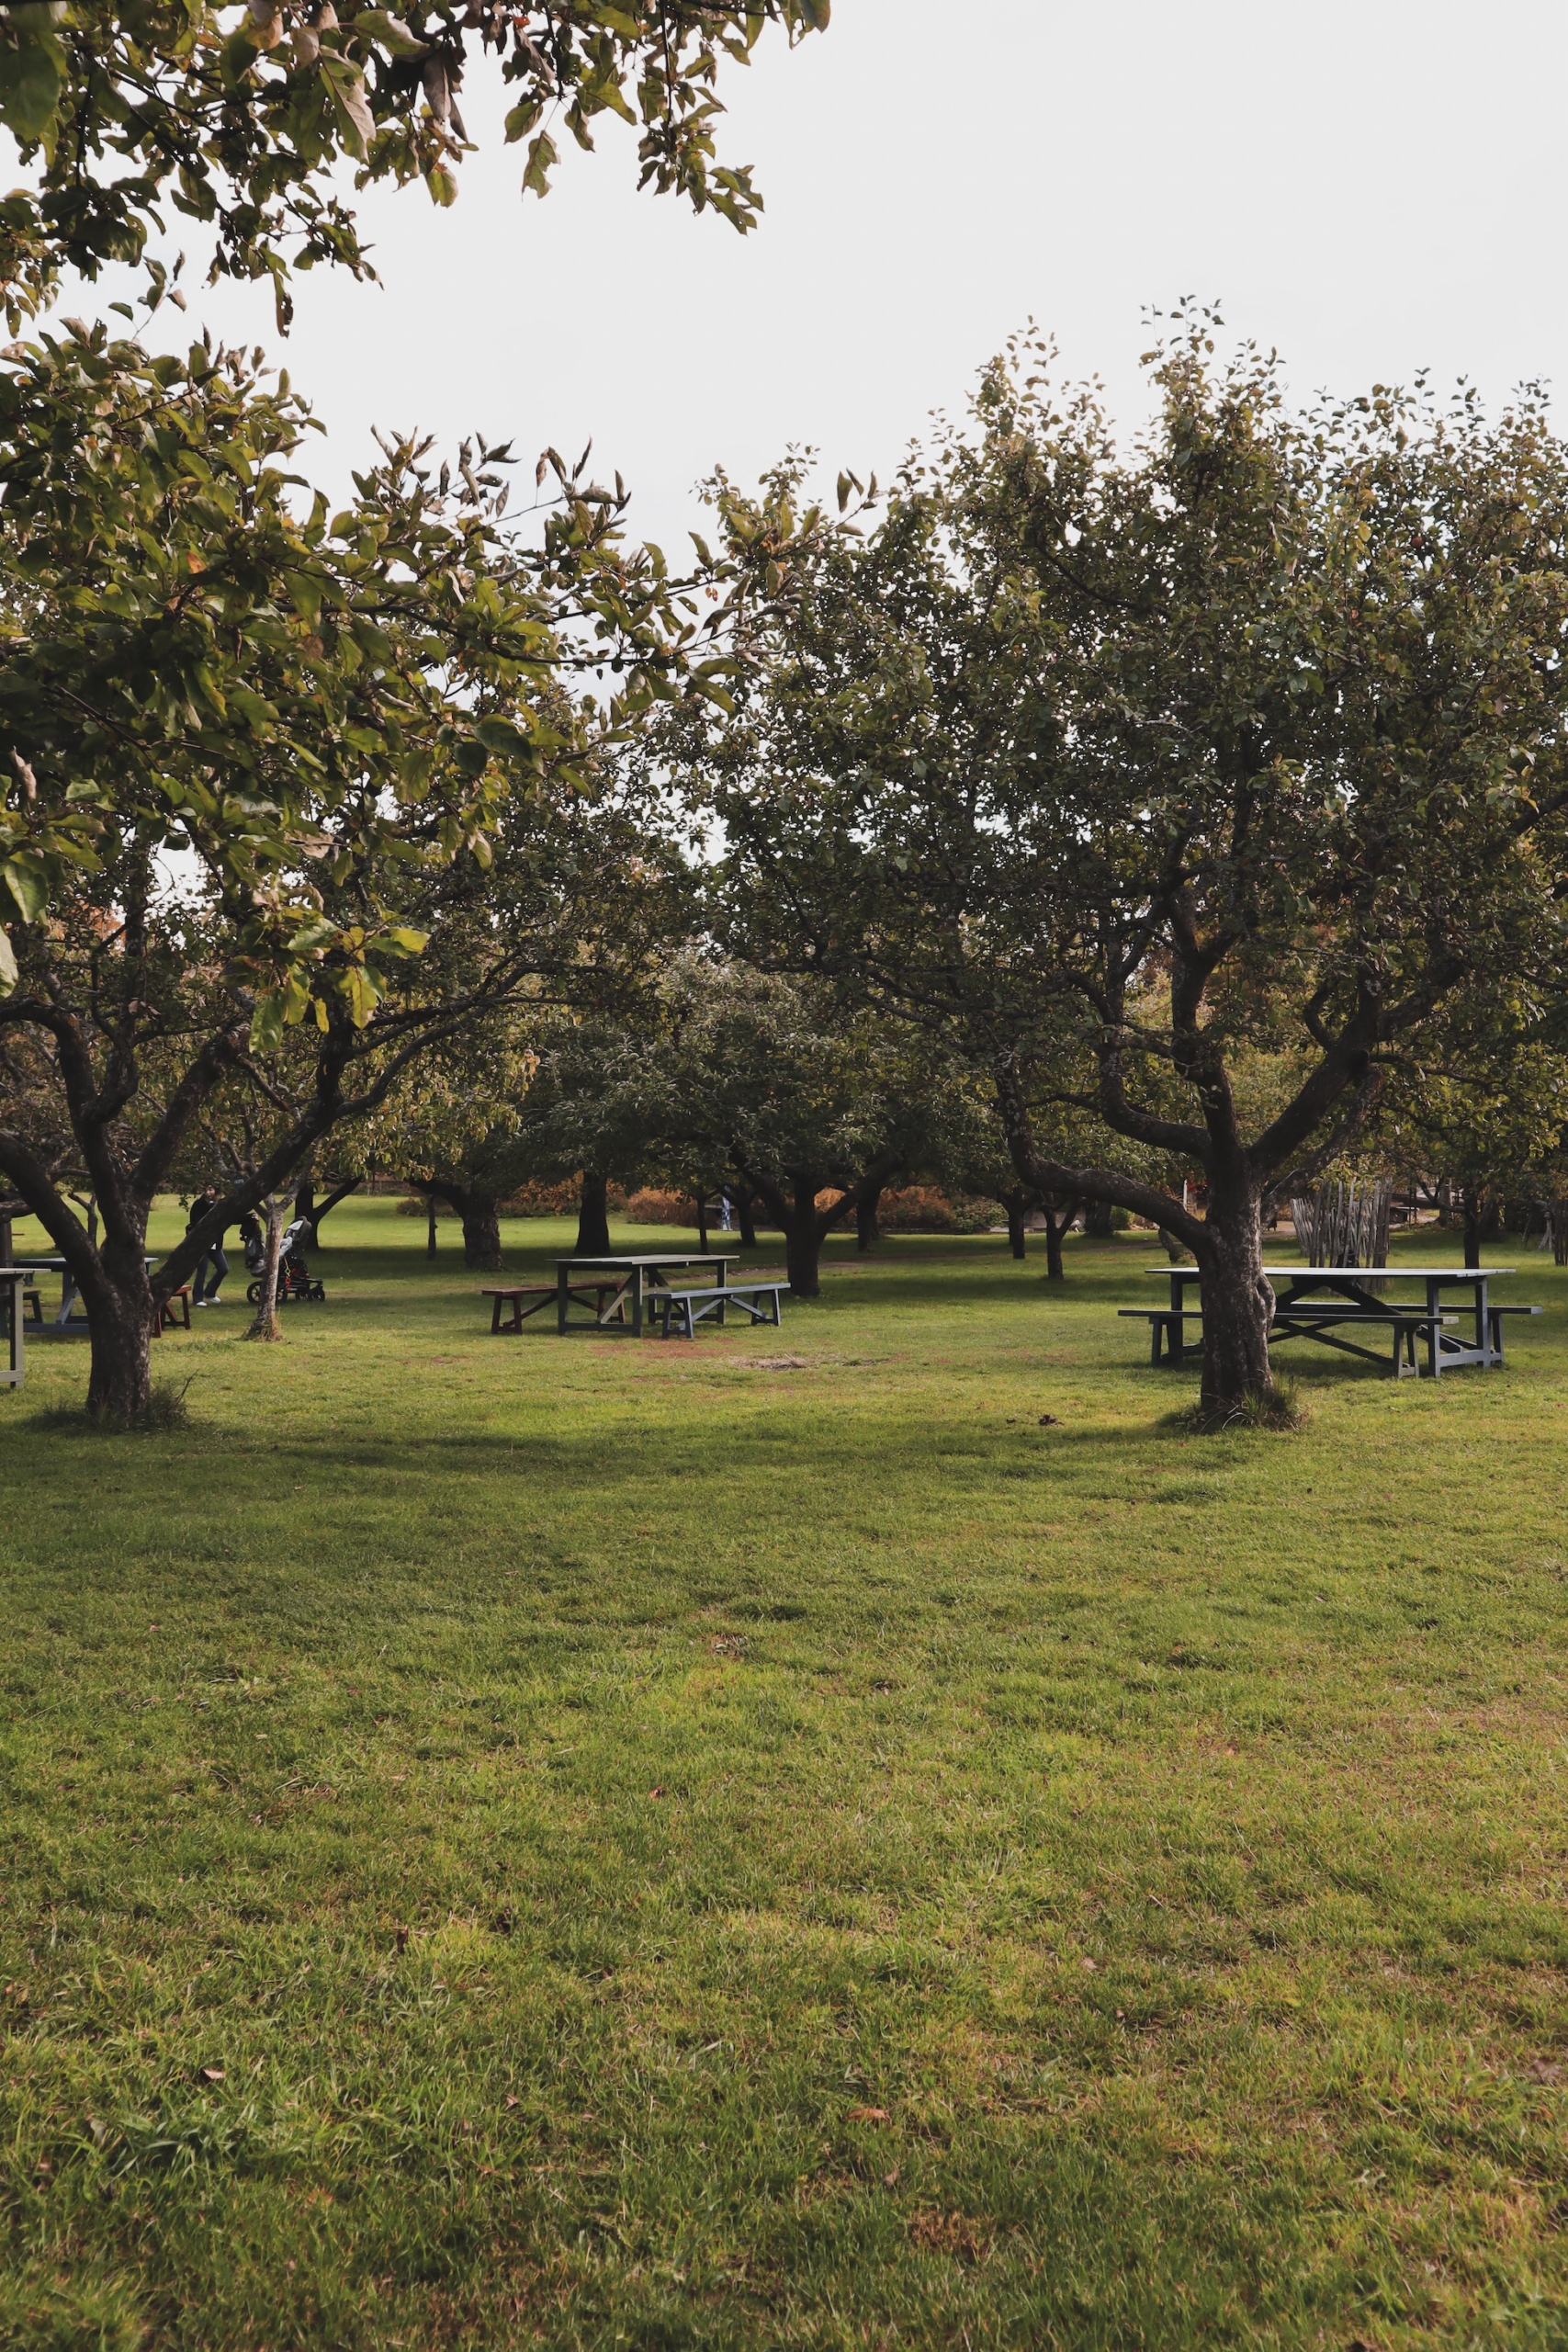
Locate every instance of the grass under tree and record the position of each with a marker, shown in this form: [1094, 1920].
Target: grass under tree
[765, 1842]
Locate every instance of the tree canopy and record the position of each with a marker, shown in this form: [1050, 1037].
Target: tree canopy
[260, 761]
[239, 118]
[1136, 766]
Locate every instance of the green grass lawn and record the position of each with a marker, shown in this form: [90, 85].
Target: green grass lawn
[571, 1842]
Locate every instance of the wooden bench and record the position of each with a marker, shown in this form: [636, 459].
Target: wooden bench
[1165, 1327]
[32, 1303]
[543, 1294]
[683, 1310]
[1494, 1323]
[175, 1313]
[1309, 1320]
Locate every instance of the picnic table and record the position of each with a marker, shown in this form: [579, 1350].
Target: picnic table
[1322, 1303]
[66, 1320]
[637, 1281]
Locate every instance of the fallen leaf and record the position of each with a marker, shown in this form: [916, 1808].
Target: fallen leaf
[1049, 1421]
[868, 2115]
[212, 2074]
[512, 2098]
[890, 2179]
[1086, 1963]
[1543, 2073]
[656, 1792]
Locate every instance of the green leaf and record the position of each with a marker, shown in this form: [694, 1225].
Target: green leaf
[266, 1021]
[360, 992]
[542, 160]
[403, 941]
[32, 74]
[28, 886]
[344, 86]
[313, 935]
[9, 974]
[500, 735]
[395, 39]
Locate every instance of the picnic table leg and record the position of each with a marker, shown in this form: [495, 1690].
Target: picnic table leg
[1156, 1331]
[636, 1302]
[563, 1295]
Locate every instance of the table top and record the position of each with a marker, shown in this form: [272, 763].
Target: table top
[666, 1257]
[1360, 1274]
[49, 1265]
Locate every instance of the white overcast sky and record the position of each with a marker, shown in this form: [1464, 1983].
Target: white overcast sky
[1373, 187]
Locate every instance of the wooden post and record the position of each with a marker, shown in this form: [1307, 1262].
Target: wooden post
[429, 1229]
[11, 1302]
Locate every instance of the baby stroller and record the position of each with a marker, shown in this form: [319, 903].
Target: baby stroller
[295, 1279]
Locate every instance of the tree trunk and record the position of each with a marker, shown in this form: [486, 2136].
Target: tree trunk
[1475, 1203]
[803, 1243]
[119, 1320]
[743, 1208]
[265, 1326]
[1239, 1305]
[866, 1228]
[593, 1217]
[1057, 1221]
[1014, 1209]
[305, 1203]
[1096, 1222]
[5, 1245]
[481, 1231]
[702, 1222]
[430, 1227]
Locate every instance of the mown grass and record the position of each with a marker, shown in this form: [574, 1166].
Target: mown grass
[523, 1841]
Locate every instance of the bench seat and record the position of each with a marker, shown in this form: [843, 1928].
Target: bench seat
[683, 1310]
[542, 1294]
[1305, 1319]
[1494, 1323]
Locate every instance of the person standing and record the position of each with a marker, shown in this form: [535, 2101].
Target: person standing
[212, 1265]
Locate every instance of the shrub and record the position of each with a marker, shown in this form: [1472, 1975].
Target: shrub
[917, 1208]
[651, 1207]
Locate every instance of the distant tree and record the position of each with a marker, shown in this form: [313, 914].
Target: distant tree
[814, 1107]
[246, 125]
[1259, 730]
[1487, 1107]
